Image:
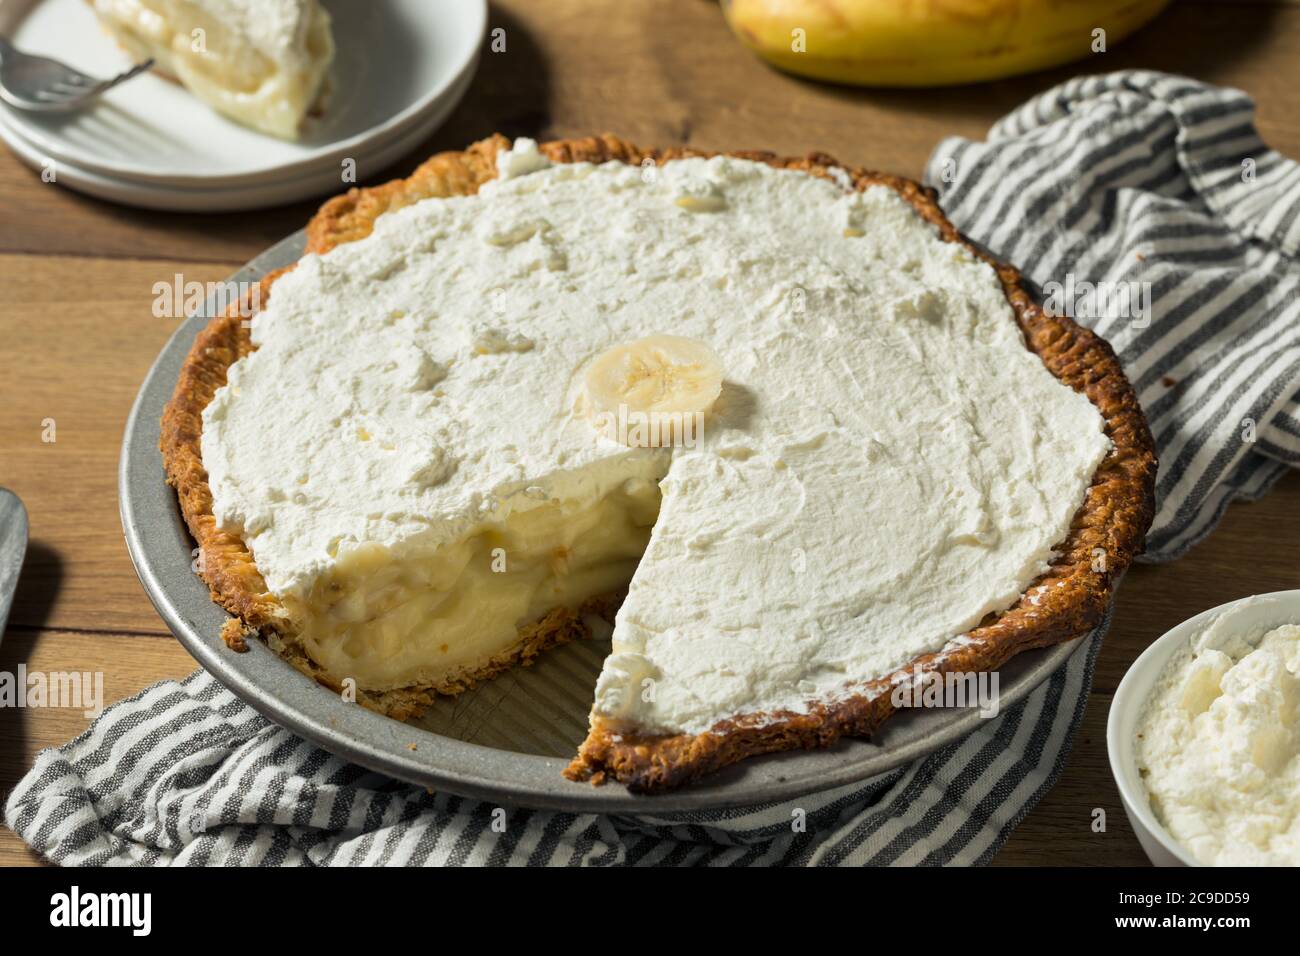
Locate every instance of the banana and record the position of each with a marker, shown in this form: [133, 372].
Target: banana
[930, 42]
[654, 391]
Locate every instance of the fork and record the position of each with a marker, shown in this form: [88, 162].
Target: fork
[43, 85]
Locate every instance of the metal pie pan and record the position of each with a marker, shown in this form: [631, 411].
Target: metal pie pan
[507, 740]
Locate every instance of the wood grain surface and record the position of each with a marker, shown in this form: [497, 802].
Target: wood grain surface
[77, 331]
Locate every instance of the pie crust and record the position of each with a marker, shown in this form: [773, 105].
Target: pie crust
[1069, 600]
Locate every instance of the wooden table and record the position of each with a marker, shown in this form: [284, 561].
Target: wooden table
[77, 332]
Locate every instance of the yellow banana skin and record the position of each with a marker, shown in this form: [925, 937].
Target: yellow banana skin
[929, 42]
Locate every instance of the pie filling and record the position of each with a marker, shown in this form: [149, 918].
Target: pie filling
[409, 458]
[263, 63]
[390, 622]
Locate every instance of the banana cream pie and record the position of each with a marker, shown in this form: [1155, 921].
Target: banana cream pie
[263, 63]
[772, 418]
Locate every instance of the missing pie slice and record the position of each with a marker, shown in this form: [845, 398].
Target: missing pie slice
[438, 452]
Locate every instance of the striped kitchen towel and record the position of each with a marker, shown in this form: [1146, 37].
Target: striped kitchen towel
[1143, 204]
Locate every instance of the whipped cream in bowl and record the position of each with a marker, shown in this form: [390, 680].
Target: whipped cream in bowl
[1204, 737]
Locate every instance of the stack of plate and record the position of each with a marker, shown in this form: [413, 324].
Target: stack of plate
[401, 66]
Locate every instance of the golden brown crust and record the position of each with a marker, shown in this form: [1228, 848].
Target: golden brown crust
[1107, 532]
[234, 634]
[223, 562]
[351, 216]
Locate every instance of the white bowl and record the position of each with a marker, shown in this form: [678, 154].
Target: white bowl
[1262, 611]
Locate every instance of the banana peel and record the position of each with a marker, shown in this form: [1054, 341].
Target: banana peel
[930, 42]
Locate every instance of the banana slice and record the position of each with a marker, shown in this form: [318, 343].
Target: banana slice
[653, 392]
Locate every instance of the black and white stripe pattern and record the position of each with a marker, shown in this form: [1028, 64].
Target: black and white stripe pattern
[187, 774]
[1127, 177]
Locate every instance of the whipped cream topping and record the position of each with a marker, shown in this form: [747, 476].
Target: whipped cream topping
[1218, 745]
[886, 463]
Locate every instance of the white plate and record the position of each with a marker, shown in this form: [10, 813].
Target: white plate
[397, 60]
[230, 198]
[1265, 611]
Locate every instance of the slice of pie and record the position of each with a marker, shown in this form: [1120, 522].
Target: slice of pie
[438, 451]
[263, 63]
